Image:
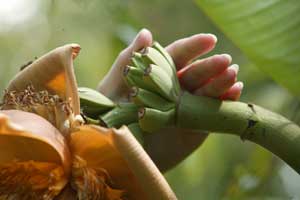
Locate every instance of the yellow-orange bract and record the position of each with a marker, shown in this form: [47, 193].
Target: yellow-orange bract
[47, 152]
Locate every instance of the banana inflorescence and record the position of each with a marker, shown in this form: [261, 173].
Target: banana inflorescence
[156, 101]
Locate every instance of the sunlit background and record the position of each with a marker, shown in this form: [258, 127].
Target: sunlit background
[224, 167]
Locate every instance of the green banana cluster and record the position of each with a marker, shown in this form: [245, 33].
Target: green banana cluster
[153, 70]
[154, 92]
[155, 87]
[154, 104]
[98, 109]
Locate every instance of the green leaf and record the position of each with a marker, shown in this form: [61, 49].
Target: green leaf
[268, 32]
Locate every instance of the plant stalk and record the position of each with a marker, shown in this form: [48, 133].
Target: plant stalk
[123, 113]
[248, 121]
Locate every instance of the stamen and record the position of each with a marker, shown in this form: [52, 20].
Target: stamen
[51, 107]
[31, 180]
[93, 183]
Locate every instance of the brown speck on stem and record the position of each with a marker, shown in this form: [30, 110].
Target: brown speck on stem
[251, 123]
[251, 106]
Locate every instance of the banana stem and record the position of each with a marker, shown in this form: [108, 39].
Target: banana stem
[249, 121]
[123, 113]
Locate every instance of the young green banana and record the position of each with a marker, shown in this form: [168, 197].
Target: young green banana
[137, 61]
[134, 77]
[162, 83]
[93, 103]
[122, 114]
[163, 52]
[167, 56]
[146, 98]
[154, 56]
[153, 79]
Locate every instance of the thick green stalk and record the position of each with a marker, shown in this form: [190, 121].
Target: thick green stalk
[154, 71]
[250, 122]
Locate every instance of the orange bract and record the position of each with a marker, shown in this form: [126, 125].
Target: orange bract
[100, 154]
[34, 159]
[47, 153]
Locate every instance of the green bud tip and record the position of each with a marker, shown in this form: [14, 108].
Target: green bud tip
[135, 54]
[133, 92]
[141, 113]
[147, 71]
[144, 51]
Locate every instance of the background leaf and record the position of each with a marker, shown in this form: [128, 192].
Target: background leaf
[266, 31]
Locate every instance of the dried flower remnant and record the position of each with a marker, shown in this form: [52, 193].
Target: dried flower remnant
[87, 181]
[51, 107]
[36, 182]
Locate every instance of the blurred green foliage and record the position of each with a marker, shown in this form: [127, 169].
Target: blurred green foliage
[224, 167]
[266, 31]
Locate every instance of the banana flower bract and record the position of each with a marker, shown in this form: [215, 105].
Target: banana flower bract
[47, 152]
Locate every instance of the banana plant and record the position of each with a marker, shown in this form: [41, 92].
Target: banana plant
[157, 101]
